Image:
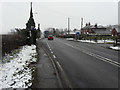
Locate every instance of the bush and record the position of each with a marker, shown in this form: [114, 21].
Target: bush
[12, 41]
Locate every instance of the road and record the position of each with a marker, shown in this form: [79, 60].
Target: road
[86, 65]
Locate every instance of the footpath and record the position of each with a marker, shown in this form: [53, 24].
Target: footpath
[45, 76]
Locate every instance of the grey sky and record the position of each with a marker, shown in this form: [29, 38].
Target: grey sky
[55, 14]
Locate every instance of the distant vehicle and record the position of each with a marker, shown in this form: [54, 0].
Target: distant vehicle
[46, 34]
[50, 37]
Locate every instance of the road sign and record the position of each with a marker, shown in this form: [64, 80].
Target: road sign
[32, 28]
[77, 33]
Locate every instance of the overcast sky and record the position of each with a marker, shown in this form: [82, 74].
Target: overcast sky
[54, 14]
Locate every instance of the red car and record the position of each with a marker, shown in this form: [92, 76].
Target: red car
[50, 37]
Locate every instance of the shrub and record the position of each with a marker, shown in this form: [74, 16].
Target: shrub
[13, 41]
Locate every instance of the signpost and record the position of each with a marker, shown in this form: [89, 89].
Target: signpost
[77, 35]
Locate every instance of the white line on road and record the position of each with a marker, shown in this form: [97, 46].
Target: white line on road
[104, 59]
[54, 56]
[51, 52]
[98, 51]
[95, 50]
[56, 71]
[64, 75]
[59, 66]
[48, 45]
[113, 62]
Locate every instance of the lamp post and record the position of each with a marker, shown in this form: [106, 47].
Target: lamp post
[68, 25]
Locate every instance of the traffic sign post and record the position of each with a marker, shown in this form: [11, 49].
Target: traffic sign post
[77, 35]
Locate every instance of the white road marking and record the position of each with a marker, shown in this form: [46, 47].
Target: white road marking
[59, 66]
[113, 62]
[45, 55]
[51, 52]
[96, 51]
[64, 74]
[104, 59]
[54, 56]
[48, 45]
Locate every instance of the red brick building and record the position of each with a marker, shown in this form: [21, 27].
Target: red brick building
[95, 30]
[116, 31]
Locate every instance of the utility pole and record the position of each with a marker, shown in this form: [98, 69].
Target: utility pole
[81, 23]
[68, 25]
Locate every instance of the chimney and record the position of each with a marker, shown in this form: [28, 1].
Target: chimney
[95, 25]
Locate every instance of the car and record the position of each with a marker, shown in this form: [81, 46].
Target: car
[50, 37]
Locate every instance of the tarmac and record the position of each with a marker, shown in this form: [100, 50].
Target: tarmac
[45, 75]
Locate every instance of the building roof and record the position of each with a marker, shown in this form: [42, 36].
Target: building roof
[116, 27]
[93, 27]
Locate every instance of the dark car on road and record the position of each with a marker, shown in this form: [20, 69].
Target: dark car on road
[50, 37]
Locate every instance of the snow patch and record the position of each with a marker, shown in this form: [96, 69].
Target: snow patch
[115, 48]
[88, 41]
[98, 41]
[16, 73]
[70, 39]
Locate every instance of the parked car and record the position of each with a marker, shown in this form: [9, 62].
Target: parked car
[50, 37]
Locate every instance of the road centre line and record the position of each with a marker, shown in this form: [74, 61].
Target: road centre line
[95, 55]
[104, 59]
[96, 51]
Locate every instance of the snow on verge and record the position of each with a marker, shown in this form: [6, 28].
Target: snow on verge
[115, 48]
[71, 39]
[16, 73]
[88, 41]
[98, 41]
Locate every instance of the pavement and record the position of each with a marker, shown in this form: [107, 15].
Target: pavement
[45, 75]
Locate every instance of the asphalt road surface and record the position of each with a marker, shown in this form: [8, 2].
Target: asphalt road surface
[86, 65]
